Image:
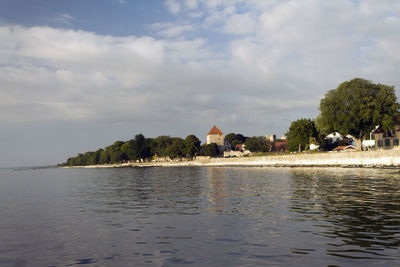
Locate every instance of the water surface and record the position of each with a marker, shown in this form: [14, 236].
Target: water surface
[200, 217]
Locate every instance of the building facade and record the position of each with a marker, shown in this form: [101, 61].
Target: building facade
[387, 139]
[271, 138]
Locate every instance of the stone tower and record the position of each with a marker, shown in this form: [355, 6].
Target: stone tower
[215, 136]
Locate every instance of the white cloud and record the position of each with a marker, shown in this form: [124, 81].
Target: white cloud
[240, 24]
[192, 4]
[196, 15]
[291, 54]
[173, 6]
[170, 30]
[65, 19]
[51, 72]
[219, 16]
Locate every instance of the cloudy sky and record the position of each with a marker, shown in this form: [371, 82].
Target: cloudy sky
[78, 75]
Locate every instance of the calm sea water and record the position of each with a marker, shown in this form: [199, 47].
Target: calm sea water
[200, 217]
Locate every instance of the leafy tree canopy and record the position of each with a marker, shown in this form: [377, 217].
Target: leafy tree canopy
[230, 137]
[160, 145]
[210, 150]
[192, 146]
[129, 150]
[176, 149]
[355, 107]
[258, 144]
[235, 139]
[299, 134]
[142, 145]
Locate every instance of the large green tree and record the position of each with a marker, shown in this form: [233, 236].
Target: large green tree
[299, 134]
[355, 107]
[235, 139]
[129, 150]
[176, 149]
[230, 137]
[192, 146]
[210, 150]
[160, 145]
[143, 146]
[115, 152]
[104, 157]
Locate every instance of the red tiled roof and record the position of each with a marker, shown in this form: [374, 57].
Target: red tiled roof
[278, 143]
[214, 130]
[343, 148]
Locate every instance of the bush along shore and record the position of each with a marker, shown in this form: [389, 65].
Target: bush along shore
[378, 159]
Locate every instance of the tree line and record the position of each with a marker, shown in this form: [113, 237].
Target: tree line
[162, 147]
[354, 108]
[140, 149]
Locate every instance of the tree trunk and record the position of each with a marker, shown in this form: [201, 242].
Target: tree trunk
[359, 142]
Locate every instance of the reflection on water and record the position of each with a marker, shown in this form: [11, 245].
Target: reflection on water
[357, 210]
[143, 191]
[200, 216]
[245, 191]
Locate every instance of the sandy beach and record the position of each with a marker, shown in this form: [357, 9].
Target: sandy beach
[382, 158]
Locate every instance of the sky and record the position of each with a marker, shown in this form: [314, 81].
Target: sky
[77, 75]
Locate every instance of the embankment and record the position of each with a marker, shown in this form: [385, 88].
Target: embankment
[384, 158]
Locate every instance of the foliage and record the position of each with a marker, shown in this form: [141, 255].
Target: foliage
[230, 137]
[143, 149]
[129, 151]
[104, 157]
[235, 139]
[176, 149]
[299, 134]
[160, 144]
[258, 144]
[355, 107]
[94, 157]
[210, 150]
[115, 152]
[192, 146]
[139, 148]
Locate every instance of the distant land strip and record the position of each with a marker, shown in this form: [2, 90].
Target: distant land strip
[381, 158]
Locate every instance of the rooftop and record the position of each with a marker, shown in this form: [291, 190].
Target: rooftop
[214, 130]
[339, 148]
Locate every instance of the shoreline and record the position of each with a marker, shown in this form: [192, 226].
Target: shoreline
[353, 159]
